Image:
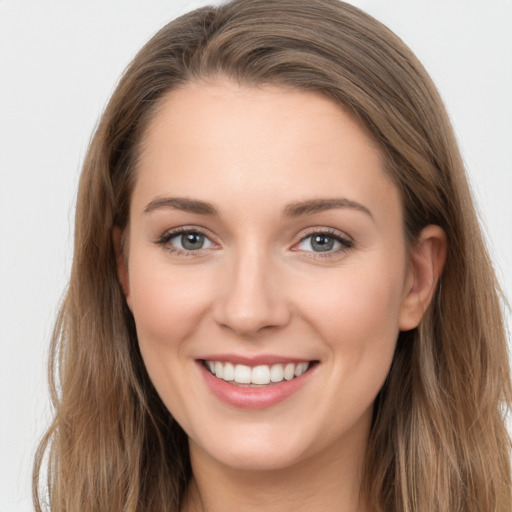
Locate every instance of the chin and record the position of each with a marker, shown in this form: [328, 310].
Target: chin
[252, 453]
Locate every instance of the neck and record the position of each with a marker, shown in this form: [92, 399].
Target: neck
[327, 482]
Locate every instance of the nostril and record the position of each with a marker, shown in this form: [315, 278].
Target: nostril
[248, 319]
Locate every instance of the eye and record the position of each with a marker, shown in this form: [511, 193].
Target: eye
[324, 242]
[186, 241]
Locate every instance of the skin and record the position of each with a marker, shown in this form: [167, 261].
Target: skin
[258, 287]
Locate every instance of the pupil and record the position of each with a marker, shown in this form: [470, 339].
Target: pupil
[322, 243]
[192, 241]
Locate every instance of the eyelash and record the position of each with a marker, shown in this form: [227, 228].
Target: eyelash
[165, 238]
[345, 242]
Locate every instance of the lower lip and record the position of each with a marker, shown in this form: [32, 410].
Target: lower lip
[253, 398]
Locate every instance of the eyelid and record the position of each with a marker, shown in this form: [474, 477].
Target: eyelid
[346, 241]
[164, 239]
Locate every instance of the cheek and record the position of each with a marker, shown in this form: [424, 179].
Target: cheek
[168, 306]
[356, 316]
[167, 303]
[355, 303]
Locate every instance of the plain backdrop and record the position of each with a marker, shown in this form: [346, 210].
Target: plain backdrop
[59, 62]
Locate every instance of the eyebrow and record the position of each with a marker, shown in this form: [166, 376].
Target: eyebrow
[182, 203]
[295, 209]
[319, 205]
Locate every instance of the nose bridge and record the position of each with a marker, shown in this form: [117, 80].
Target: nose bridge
[251, 298]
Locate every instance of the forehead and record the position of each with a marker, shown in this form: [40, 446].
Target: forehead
[221, 107]
[269, 142]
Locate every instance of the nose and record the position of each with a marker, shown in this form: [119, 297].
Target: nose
[251, 298]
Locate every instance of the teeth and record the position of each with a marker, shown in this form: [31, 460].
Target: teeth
[300, 369]
[242, 374]
[276, 373]
[261, 374]
[289, 371]
[228, 372]
[219, 367]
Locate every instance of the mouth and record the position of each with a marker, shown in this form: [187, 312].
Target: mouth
[258, 376]
[257, 382]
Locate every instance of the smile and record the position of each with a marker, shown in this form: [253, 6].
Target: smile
[254, 385]
[241, 374]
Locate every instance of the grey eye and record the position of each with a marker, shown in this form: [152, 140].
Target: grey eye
[190, 241]
[322, 243]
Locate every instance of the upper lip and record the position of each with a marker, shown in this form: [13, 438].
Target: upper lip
[254, 360]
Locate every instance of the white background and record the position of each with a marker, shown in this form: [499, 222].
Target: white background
[59, 62]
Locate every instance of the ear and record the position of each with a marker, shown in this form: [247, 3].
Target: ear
[122, 264]
[426, 261]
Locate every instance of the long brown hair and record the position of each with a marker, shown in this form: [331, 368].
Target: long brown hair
[438, 440]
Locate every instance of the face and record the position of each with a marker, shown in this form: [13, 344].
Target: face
[267, 271]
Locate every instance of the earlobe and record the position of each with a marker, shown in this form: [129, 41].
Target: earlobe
[426, 261]
[122, 264]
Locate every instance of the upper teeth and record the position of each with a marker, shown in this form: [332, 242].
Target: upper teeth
[262, 374]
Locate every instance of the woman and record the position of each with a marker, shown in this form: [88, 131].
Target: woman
[280, 296]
